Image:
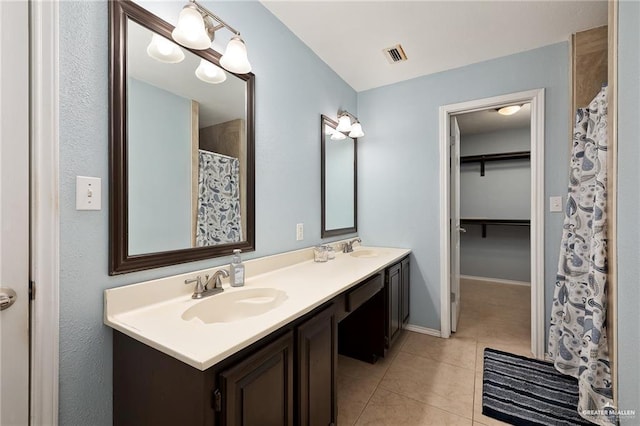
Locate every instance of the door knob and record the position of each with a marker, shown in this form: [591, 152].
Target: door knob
[7, 298]
[462, 230]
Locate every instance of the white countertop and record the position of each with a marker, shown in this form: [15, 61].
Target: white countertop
[151, 312]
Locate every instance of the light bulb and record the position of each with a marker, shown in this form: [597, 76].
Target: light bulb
[190, 31]
[338, 136]
[235, 57]
[356, 130]
[509, 110]
[209, 73]
[164, 50]
[344, 123]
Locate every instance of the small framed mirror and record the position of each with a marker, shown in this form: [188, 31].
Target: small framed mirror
[181, 148]
[339, 186]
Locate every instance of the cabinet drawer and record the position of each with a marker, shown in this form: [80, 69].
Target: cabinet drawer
[363, 292]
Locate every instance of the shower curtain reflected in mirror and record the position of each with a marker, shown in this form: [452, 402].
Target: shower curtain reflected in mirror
[577, 334]
[218, 220]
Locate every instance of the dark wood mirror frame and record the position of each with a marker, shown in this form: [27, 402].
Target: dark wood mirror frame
[324, 232]
[119, 260]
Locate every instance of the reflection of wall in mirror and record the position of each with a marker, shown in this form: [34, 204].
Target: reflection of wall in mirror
[339, 184]
[229, 138]
[159, 168]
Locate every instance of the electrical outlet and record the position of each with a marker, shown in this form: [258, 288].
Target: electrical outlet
[300, 232]
[555, 204]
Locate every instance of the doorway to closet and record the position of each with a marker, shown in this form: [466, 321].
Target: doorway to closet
[492, 203]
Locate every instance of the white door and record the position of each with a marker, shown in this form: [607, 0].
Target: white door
[14, 212]
[454, 199]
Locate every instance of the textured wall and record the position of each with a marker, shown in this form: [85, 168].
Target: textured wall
[399, 159]
[292, 86]
[504, 192]
[628, 208]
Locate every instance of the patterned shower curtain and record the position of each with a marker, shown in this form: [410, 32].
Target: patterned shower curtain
[218, 200]
[577, 334]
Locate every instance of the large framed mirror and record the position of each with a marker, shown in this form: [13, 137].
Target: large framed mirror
[181, 166]
[339, 186]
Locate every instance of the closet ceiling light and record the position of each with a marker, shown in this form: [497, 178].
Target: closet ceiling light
[196, 29]
[509, 110]
[164, 50]
[210, 73]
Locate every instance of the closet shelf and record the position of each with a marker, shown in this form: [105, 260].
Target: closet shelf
[502, 156]
[501, 222]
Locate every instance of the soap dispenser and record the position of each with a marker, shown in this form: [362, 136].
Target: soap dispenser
[237, 270]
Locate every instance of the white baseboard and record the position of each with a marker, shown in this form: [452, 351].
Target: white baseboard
[495, 280]
[423, 330]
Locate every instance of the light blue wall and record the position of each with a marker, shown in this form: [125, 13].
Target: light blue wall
[504, 192]
[629, 208]
[292, 86]
[159, 125]
[398, 160]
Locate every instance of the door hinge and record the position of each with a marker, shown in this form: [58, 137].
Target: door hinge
[32, 290]
[217, 400]
[453, 297]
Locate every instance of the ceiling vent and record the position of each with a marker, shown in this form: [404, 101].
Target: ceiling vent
[395, 54]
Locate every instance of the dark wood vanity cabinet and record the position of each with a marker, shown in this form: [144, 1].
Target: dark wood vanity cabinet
[286, 379]
[258, 390]
[316, 372]
[397, 300]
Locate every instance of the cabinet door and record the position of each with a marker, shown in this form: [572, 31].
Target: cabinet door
[405, 290]
[258, 391]
[393, 303]
[317, 370]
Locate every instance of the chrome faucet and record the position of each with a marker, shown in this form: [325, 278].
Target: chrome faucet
[203, 290]
[348, 246]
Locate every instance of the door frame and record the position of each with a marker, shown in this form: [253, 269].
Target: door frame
[45, 211]
[536, 98]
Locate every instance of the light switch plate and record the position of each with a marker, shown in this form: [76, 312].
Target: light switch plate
[88, 193]
[555, 204]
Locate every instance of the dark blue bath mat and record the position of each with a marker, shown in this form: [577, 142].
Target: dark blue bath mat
[524, 391]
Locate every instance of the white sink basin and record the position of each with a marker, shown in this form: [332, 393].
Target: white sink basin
[364, 253]
[237, 305]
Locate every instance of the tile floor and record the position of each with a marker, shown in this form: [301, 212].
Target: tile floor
[426, 380]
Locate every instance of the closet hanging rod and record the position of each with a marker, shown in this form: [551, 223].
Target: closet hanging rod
[501, 156]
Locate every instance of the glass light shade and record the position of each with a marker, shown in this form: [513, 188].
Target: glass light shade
[509, 110]
[190, 31]
[328, 130]
[338, 136]
[344, 124]
[235, 57]
[164, 50]
[356, 131]
[210, 73]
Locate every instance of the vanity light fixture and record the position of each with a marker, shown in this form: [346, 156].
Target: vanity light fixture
[338, 136]
[210, 73]
[196, 29]
[164, 50]
[345, 124]
[509, 110]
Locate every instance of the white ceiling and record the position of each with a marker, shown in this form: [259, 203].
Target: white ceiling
[436, 35]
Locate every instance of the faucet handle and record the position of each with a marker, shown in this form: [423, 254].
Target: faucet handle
[197, 292]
